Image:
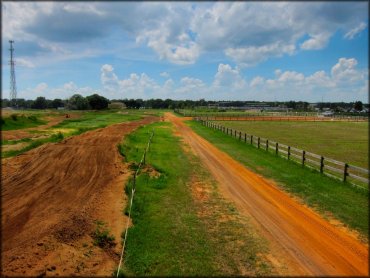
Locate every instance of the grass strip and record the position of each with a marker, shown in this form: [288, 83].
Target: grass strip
[168, 236]
[328, 196]
[16, 121]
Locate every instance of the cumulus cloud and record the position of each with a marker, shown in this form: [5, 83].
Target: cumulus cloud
[318, 41]
[44, 90]
[226, 76]
[247, 32]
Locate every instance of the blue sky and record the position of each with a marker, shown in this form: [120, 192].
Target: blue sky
[266, 51]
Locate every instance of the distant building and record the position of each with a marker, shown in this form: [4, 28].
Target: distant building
[117, 105]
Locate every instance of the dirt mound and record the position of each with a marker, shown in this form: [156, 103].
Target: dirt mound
[51, 197]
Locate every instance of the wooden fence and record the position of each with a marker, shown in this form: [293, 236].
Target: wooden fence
[266, 116]
[330, 167]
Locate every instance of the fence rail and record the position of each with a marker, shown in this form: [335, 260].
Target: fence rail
[266, 116]
[330, 167]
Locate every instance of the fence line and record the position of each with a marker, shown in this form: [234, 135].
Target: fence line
[324, 165]
[268, 116]
[133, 189]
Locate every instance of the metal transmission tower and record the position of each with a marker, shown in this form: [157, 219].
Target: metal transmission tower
[13, 86]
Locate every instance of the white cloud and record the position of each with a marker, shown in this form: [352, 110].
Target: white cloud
[258, 80]
[24, 63]
[247, 32]
[345, 71]
[44, 90]
[353, 32]
[318, 41]
[343, 83]
[164, 74]
[226, 76]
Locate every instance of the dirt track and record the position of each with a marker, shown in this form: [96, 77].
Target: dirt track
[300, 239]
[51, 196]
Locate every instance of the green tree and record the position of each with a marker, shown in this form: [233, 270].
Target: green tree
[77, 102]
[97, 102]
[40, 103]
[56, 103]
[358, 105]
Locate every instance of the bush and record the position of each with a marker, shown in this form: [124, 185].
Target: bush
[14, 117]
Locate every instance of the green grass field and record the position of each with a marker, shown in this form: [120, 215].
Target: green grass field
[173, 234]
[343, 141]
[328, 196]
[20, 121]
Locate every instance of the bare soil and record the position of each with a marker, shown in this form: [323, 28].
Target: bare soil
[52, 196]
[300, 239]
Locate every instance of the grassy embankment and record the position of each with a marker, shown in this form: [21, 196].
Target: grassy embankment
[328, 196]
[70, 127]
[20, 121]
[181, 226]
[343, 141]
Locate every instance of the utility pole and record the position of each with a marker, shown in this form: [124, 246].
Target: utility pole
[13, 85]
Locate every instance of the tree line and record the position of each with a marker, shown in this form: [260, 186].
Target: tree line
[97, 102]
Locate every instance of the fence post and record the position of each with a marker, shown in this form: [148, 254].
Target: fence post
[267, 145]
[227, 131]
[240, 135]
[245, 137]
[288, 152]
[235, 133]
[345, 174]
[144, 156]
[322, 165]
[303, 157]
[277, 148]
[258, 142]
[252, 140]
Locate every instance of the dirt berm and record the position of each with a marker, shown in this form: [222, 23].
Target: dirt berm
[51, 198]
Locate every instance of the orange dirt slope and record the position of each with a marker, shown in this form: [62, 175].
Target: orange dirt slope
[51, 197]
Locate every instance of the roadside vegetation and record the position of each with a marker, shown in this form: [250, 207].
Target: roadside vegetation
[343, 141]
[329, 197]
[175, 230]
[20, 121]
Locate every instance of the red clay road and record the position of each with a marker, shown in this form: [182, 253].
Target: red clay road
[309, 244]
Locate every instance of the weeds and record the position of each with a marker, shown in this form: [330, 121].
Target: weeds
[102, 236]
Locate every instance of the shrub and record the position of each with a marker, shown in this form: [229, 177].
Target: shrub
[14, 117]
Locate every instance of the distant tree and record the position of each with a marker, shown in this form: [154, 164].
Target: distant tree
[97, 102]
[358, 105]
[40, 103]
[5, 102]
[56, 103]
[77, 102]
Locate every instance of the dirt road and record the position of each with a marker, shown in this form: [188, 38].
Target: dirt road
[300, 239]
[51, 197]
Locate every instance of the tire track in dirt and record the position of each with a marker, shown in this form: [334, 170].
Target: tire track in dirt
[51, 196]
[299, 237]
